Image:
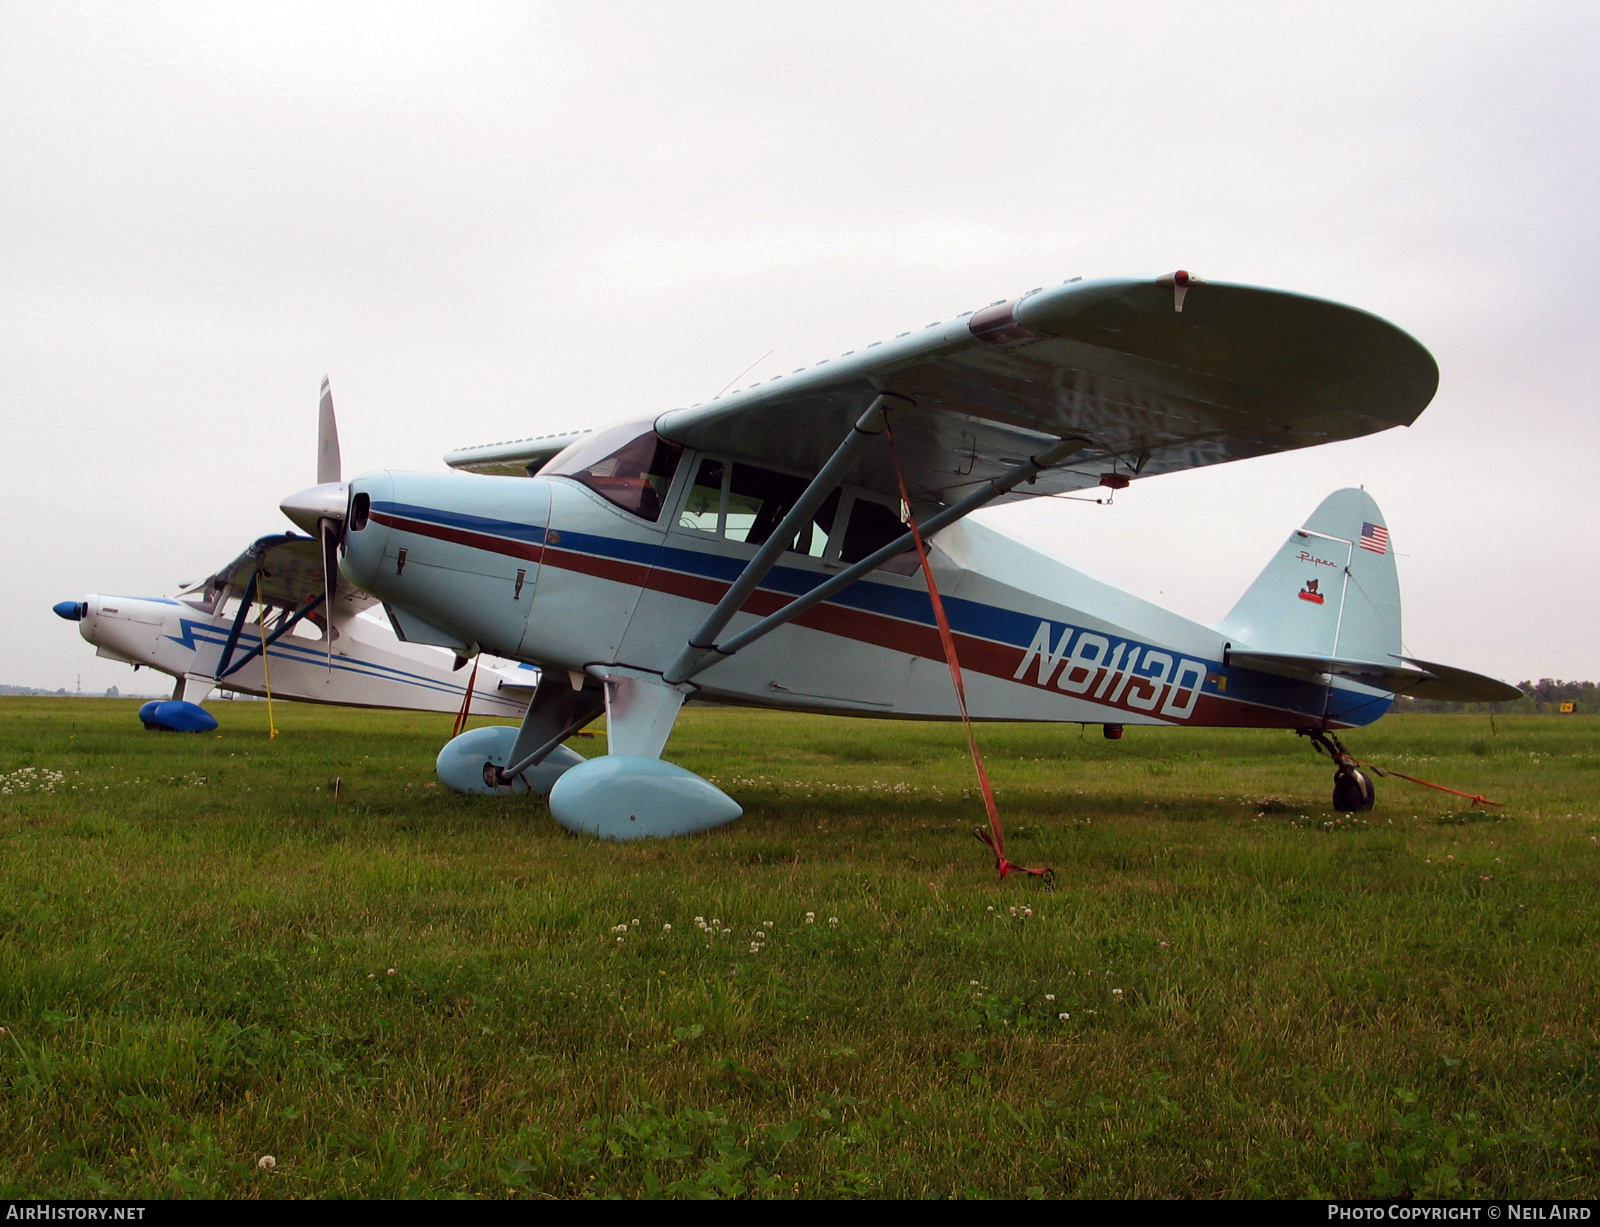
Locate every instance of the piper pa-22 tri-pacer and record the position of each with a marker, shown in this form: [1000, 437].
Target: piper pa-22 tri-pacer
[280, 594]
[762, 548]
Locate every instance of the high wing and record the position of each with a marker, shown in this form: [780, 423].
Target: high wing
[1156, 376]
[1419, 678]
[289, 573]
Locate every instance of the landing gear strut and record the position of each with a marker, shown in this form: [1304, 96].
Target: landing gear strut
[1353, 792]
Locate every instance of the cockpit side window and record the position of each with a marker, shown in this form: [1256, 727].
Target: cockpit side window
[629, 466]
[702, 509]
[743, 503]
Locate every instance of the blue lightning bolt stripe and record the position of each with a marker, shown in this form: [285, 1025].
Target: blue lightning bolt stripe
[198, 633]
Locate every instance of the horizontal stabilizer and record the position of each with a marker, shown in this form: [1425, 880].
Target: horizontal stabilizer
[1450, 685]
[1419, 678]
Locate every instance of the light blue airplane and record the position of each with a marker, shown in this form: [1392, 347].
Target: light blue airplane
[755, 550]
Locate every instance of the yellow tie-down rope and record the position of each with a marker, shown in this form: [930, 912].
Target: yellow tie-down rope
[266, 671]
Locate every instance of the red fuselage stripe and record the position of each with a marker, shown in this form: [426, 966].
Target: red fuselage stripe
[879, 630]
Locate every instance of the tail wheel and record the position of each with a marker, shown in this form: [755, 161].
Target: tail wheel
[1353, 792]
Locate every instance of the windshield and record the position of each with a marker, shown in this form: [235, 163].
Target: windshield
[630, 466]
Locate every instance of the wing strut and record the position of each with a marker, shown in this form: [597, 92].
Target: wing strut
[268, 640]
[238, 621]
[697, 657]
[703, 643]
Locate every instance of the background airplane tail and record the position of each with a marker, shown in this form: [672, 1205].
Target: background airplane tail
[1332, 590]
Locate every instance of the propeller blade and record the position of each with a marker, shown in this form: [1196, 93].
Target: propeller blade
[327, 438]
[330, 532]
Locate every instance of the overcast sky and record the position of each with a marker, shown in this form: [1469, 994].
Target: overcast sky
[488, 221]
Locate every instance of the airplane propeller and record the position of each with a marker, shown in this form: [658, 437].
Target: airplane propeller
[321, 508]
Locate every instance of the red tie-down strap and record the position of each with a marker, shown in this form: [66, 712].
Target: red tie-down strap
[466, 703]
[1475, 798]
[994, 837]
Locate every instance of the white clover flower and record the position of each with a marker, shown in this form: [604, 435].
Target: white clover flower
[766, 924]
[635, 922]
[1116, 992]
[760, 934]
[754, 946]
[391, 971]
[699, 920]
[974, 983]
[266, 1163]
[811, 918]
[1013, 911]
[667, 928]
[621, 940]
[1049, 996]
[715, 922]
[1064, 1016]
[1027, 913]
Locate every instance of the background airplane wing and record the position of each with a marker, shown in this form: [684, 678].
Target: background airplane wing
[512, 457]
[290, 573]
[1156, 376]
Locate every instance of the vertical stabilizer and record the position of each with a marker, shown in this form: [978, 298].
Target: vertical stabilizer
[1332, 590]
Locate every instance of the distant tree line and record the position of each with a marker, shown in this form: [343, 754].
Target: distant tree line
[111, 692]
[1543, 698]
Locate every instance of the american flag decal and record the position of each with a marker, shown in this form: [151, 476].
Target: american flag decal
[1375, 537]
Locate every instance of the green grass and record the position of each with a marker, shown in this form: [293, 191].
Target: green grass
[197, 937]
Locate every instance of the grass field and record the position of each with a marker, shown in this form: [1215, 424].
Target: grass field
[206, 956]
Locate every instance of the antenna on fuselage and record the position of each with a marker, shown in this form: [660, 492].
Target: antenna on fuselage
[745, 372]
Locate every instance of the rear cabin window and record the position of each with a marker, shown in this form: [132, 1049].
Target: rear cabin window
[872, 526]
[630, 466]
[744, 503]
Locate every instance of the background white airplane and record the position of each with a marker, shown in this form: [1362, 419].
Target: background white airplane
[756, 550]
[325, 640]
